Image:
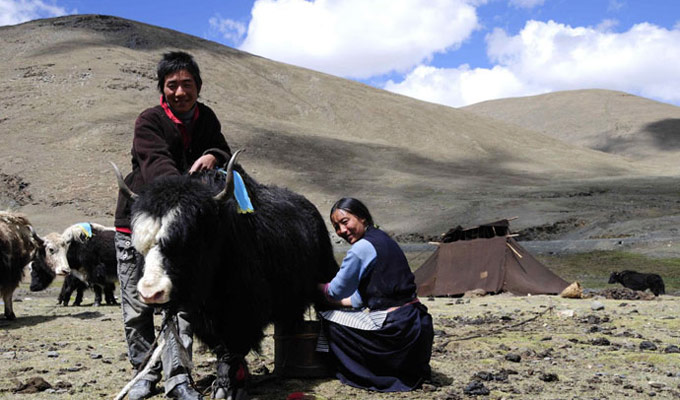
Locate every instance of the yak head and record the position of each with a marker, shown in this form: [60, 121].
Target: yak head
[41, 274]
[55, 252]
[176, 229]
[614, 277]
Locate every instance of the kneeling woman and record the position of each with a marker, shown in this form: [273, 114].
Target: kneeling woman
[387, 348]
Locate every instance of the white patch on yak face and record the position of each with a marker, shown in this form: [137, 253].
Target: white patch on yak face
[55, 253]
[155, 285]
[144, 232]
[147, 233]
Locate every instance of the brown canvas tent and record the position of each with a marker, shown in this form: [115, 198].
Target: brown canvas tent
[484, 257]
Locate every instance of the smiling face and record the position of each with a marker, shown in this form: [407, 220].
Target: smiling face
[180, 90]
[348, 226]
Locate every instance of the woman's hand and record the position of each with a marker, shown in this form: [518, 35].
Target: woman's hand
[346, 302]
[205, 162]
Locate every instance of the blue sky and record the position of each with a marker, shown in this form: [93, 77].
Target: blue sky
[453, 52]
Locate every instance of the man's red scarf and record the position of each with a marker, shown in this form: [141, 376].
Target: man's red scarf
[186, 137]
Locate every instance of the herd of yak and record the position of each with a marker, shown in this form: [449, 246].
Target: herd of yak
[220, 264]
[83, 252]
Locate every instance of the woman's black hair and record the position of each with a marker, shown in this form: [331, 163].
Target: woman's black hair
[355, 207]
[176, 61]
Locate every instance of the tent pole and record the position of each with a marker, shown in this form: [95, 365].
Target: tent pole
[513, 250]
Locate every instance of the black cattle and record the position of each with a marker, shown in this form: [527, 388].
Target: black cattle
[234, 272]
[19, 246]
[85, 251]
[639, 281]
[71, 284]
[76, 283]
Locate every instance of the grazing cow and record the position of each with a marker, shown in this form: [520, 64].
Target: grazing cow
[19, 246]
[85, 250]
[235, 272]
[639, 281]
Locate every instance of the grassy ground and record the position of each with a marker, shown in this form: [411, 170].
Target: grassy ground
[593, 269]
[568, 348]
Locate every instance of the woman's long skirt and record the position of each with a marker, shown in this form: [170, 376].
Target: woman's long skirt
[394, 358]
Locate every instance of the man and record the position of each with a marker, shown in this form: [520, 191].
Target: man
[178, 136]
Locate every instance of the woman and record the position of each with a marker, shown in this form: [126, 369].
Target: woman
[388, 348]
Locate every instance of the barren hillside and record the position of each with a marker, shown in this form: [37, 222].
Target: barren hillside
[74, 85]
[604, 120]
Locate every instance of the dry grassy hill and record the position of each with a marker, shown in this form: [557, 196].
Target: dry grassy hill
[74, 85]
[604, 120]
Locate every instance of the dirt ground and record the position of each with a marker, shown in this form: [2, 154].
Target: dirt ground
[535, 347]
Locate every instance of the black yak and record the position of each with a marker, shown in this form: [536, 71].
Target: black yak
[85, 250]
[75, 282]
[234, 272]
[639, 281]
[72, 284]
[19, 246]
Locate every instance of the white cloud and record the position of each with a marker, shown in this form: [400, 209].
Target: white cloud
[232, 31]
[526, 3]
[607, 25]
[358, 38]
[548, 56]
[14, 12]
[458, 86]
[615, 5]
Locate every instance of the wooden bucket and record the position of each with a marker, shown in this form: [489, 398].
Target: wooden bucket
[294, 352]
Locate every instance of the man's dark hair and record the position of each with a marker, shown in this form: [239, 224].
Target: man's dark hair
[176, 61]
[353, 206]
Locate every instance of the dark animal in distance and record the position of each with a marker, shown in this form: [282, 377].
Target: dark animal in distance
[87, 254]
[74, 282]
[639, 281]
[71, 284]
[234, 272]
[19, 247]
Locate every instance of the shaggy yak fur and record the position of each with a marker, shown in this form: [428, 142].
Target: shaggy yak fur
[91, 262]
[19, 246]
[235, 273]
[639, 281]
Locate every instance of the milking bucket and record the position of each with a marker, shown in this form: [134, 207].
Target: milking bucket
[294, 351]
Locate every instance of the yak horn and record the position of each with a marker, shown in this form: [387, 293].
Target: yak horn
[230, 177]
[36, 237]
[122, 185]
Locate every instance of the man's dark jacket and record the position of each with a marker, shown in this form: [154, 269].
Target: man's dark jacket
[158, 149]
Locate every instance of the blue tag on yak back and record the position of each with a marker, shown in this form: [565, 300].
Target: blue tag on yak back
[241, 195]
[86, 228]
